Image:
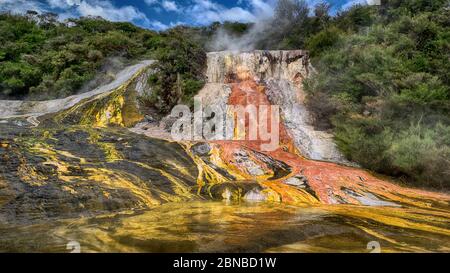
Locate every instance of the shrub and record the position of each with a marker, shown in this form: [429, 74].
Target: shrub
[179, 72]
[51, 60]
[374, 82]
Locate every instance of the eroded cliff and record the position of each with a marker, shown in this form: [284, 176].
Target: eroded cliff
[282, 74]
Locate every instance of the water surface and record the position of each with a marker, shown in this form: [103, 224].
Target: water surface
[227, 227]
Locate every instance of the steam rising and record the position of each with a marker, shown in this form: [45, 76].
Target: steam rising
[225, 41]
[106, 74]
[270, 28]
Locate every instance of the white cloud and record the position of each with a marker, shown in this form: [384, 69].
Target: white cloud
[197, 12]
[262, 8]
[63, 4]
[207, 11]
[157, 25]
[170, 6]
[103, 8]
[108, 11]
[151, 2]
[20, 6]
[77, 8]
[167, 5]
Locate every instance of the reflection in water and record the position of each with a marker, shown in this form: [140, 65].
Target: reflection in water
[222, 227]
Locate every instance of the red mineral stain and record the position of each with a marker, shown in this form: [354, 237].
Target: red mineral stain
[331, 183]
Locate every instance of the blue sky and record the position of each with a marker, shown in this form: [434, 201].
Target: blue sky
[161, 14]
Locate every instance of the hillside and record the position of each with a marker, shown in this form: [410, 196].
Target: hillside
[42, 58]
[381, 88]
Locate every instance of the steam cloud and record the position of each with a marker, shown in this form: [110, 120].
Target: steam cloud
[225, 41]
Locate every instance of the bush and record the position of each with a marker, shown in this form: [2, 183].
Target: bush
[322, 41]
[379, 76]
[179, 72]
[51, 60]
[424, 154]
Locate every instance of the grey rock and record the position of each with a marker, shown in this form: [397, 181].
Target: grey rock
[297, 181]
[201, 149]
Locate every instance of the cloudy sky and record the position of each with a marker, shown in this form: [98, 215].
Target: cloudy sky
[160, 14]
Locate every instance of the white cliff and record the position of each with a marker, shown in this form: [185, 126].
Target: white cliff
[282, 72]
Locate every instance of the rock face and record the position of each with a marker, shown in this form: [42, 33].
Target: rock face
[287, 65]
[313, 144]
[282, 72]
[32, 110]
[48, 173]
[230, 168]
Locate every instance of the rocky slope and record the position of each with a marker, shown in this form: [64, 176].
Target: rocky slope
[81, 156]
[71, 157]
[241, 170]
